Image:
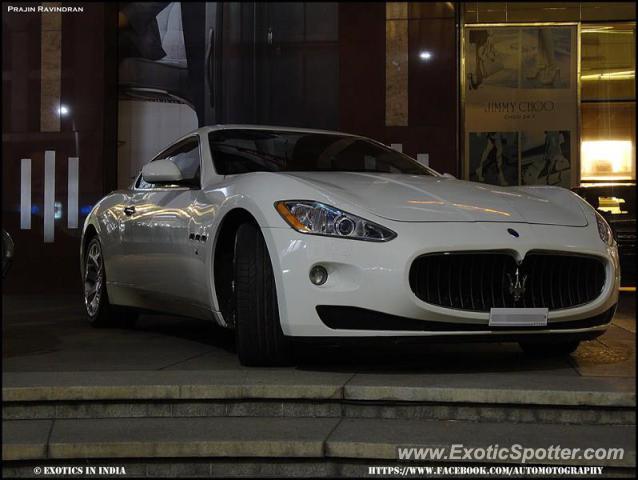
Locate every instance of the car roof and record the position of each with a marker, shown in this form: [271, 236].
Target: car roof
[212, 128]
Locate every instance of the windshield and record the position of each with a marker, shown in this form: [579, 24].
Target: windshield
[244, 151]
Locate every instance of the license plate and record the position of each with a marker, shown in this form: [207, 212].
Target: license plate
[518, 317]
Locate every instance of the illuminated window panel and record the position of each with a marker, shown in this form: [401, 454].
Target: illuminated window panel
[608, 122]
[607, 160]
[608, 94]
[608, 62]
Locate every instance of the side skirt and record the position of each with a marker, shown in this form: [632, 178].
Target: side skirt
[128, 296]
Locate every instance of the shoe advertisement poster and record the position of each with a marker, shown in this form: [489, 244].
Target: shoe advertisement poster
[494, 157]
[521, 104]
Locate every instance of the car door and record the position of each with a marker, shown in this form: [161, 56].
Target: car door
[163, 263]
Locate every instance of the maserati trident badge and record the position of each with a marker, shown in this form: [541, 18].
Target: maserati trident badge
[517, 285]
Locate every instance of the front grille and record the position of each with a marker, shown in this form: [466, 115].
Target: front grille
[484, 280]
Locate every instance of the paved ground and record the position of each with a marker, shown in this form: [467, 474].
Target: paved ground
[68, 390]
[50, 334]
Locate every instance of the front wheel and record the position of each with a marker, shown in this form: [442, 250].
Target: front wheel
[549, 349]
[259, 337]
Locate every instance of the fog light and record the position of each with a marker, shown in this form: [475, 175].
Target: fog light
[318, 275]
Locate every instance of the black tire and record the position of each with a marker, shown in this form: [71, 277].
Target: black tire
[549, 349]
[102, 313]
[259, 338]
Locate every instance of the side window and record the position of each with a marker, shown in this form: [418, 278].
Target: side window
[186, 156]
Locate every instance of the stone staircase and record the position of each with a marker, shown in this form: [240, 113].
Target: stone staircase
[265, 422]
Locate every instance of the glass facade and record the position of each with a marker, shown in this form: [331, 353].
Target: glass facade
[606, 108]
[58, 138]
[608, 101]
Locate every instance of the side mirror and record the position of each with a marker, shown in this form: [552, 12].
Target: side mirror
[161, 171]
[448, 175]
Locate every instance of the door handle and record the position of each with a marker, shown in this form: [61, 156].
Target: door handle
[129, 210]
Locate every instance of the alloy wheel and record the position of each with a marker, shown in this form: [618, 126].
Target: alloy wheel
[93, 278]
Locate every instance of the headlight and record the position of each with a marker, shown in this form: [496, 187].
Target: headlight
[315, 218]
[604, 230]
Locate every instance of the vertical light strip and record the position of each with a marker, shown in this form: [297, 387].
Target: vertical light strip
[49, 196]
[72, 190]
[25, 194]
[50, 69]
[396, 64]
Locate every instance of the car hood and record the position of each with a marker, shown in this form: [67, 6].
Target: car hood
[418, 198]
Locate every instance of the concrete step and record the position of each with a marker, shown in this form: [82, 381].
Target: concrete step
[374, 440]
[524, 398]
[320, 409]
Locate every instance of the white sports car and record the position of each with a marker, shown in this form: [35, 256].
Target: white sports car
[289, 234]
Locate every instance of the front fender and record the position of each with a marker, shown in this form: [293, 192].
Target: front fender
[97, 219]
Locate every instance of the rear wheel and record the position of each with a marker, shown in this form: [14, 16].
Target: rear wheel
[549, 349]
[259, 337]
[96, 300]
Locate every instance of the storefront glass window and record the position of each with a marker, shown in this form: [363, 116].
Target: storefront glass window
[608, 96]
[512, 12]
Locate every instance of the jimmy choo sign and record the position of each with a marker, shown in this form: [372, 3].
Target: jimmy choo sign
[521, 104]
[519, 107]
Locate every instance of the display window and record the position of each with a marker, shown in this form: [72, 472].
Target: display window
[548, 94]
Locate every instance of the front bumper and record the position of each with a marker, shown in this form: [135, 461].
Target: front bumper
[374, 276]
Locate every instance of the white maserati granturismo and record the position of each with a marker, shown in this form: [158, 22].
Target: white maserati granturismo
[288, 234]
